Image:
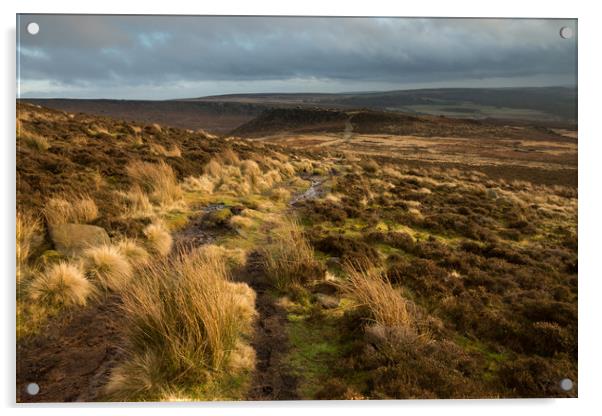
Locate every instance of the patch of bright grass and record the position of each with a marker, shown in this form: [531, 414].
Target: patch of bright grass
[316, 347]
[226, 387]
[493, 359]
[176, 220]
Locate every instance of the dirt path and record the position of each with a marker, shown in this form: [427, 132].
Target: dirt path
[315, 190]
[72, 359]
[348, 132]
[347, 136]
[272, 379]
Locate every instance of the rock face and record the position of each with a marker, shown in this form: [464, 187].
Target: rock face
[70, 239]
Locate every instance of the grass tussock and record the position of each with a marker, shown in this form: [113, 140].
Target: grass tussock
[158, 238]
[280, 194]
[240, 222]
[134, 252]
[288, 258]
[227, 174]
[108, 266]
[229, 157]
[185, 318]
[201, 183]
[135, 203]
[63, 284]
[157, 179]
[27, 227]
[368, 287]
[158, 149]
[70, 209]
[213, 169]
[34, 141]
[234, 257]
[250, 169]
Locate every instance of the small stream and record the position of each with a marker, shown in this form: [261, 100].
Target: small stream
[314, 191]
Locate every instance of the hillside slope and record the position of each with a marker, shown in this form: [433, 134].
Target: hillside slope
[315, 120]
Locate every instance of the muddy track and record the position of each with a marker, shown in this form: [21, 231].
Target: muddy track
[72, 358]
[314, 191]
[272, 379]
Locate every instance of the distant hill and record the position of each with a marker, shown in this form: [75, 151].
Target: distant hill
[286, 121]
[214, 117]
[547, 106]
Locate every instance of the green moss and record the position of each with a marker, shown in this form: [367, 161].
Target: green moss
[314, 351]
[492, 359]
[31, 317]
[51, 256]
[316, 346]
[176, 220]
[226, 386]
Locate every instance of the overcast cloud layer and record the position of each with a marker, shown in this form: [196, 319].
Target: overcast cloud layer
[159, 57]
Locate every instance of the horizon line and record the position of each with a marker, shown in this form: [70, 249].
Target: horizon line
[297, 93]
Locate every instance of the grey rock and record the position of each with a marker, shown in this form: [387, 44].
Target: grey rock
[72, 239]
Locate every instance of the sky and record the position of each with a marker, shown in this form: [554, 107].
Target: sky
[167, 57]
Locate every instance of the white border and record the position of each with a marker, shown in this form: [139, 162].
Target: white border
[590, 154]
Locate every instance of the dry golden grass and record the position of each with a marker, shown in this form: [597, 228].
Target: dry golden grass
[300, 183]
[250, 169]
[235, 187]
[108, 266]
[34, 140]
[135, 203]
[70, 209]
[415, 212]
[252, 173]
[184, 319]
[27, 227]
[201, 183]
[156, 179]
[159, 239]
[334, 198]
[229, 157]
[272, 177]
[287, 169]
[158, 149]
[392, 172]
[234, 257]
[134, 252]
[280, 194]
[368, 287]
[242, 358]
[288, 258]
[213, 168]
[240, 222]
[63, 284]
[231, 176]
[303, 165]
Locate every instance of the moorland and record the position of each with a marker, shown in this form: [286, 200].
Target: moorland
[299, 252]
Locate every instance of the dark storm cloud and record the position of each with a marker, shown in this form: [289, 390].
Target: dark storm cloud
[125, 56]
